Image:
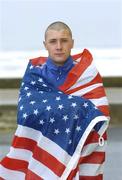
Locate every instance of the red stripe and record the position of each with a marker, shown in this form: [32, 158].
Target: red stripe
[97, 79]
[15, 164]
[98, 177]
[95, 93]
[74, 172]
[77, 56]
[93, 137]
[39, 154]
[77, 70]
[1, 178]
[93, 158]
[32, 176]
[48, 160]
[104, 109]
[38, 61]
[24, 143]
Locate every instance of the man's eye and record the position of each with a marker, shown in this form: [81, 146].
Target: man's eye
[53, 41]
[64, 40]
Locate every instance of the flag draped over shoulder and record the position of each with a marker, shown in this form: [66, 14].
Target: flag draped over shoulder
[54, 124]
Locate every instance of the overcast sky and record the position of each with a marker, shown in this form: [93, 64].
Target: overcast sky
[95, 23]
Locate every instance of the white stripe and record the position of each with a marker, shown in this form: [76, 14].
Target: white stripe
[42, 170]
[76, 154]
[83, 91]
[88, 75]
[54, 150]
[104, 127]
[91, 169]
[77, 176]
[44, 143]
[88, 149]
[23, 131]
[93, 147]
[8, 174]
[21, 154]
[77, 60]
[99, 101]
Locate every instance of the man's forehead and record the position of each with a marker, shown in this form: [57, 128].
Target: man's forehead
[54, 34]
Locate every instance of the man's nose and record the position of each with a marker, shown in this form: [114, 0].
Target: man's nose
[59, 45]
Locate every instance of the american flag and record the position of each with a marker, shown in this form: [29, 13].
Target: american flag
[58, 128]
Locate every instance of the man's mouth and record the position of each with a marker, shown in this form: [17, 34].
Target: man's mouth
[59, 54]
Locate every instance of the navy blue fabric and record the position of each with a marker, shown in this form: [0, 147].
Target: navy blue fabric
[56, 74]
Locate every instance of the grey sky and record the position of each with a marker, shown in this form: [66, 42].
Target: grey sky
[95, 23]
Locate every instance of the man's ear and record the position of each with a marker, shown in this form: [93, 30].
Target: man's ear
[72, 43]
[44, 44]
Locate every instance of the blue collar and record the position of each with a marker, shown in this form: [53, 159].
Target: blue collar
[66, 67]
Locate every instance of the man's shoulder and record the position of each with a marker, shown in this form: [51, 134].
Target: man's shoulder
[38, 60]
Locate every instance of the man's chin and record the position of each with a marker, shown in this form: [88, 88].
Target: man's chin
[59, 61]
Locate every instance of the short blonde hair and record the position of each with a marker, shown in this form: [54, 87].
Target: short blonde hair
[58, 25]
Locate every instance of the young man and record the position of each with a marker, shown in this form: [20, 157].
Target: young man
[58, 42]
[62, 116]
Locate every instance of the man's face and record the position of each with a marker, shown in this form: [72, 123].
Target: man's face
[58, 45]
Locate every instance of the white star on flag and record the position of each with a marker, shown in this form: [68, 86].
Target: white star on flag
[22, 84]
[60, 92]
[33, 82]
[40, 80]
[78, 128]
[52, 120]
[44, 100]
[19, 99]
[25, 115]
[70, 97]
[26, 88]
[70, 141]
[73, 104]
[31, 67]
[56, 131]
[85, 105]
[76, 116]
[44, 85]
[32, 102]
[36, 112]
[58, 98]
[67, 130]
[48, 108]
[41, 92]
[60, 106]
[29, 94]
[21, 108]
[41, 122]
[65, 117]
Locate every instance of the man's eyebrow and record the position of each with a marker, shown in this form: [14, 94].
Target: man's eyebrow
[56, 38]
[52, 39]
